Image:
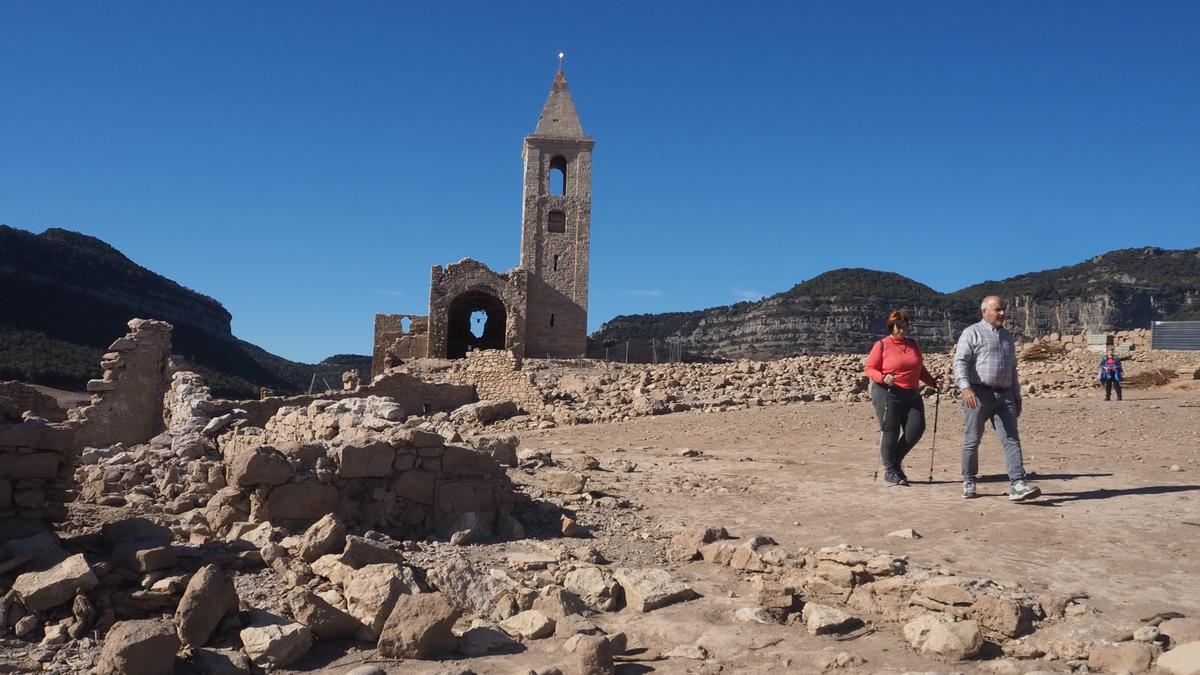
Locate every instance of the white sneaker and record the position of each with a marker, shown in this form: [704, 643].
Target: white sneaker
[1022, 490]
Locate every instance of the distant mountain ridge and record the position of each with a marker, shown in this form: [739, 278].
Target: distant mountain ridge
[65, 296]
[843, 310]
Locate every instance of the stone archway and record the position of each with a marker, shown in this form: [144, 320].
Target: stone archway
[459, 337]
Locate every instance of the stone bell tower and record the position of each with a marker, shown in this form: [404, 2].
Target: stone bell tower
[556, 223]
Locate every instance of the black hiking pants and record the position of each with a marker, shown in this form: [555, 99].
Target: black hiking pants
[901, 414]
[1108, 387]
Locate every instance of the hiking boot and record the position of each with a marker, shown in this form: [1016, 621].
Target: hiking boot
[903, 477]
[893, 478]
[1022, 490]
[968, 489]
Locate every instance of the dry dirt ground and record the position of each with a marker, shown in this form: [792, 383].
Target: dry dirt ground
[1115, 522]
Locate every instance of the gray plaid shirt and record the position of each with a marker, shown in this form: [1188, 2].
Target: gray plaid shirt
[986, 355]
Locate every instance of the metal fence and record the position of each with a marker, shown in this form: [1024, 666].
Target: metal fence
[1175, 335]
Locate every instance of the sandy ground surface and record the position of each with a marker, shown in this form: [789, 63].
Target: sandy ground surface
[1115, 522]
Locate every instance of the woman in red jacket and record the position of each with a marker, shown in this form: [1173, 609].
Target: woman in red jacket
[896, 369]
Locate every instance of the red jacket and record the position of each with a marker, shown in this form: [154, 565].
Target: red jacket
[901, 358]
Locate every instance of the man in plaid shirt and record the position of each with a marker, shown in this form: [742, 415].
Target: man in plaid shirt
[985, 369]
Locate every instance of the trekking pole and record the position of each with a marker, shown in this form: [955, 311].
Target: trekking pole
[937, 404]
[879, 451]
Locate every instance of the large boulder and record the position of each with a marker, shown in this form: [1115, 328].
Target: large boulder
[142, 647]
[1182, 660]
[323, 619]
[276, 645]
[372, 591]
[209, 596]
[327, 535]
[418, 627]
[649, 589]
[1128, 657]
[49, 588]
[264, 465]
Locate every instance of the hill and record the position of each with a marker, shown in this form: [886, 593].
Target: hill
[65, 296]
[843, 310]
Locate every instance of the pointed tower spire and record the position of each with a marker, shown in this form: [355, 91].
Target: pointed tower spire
[559, 119]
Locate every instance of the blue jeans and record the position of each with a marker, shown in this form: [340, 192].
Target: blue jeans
[998, 405]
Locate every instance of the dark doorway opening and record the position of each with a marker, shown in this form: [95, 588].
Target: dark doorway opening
[463, 334]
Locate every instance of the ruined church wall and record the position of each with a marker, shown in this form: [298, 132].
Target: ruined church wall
[394, 344]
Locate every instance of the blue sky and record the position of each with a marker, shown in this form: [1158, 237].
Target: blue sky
[306, 163]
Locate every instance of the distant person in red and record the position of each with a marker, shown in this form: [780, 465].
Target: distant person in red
[897, 369]
[1110, 374]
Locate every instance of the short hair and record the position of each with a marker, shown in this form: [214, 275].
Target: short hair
[983, 304]
[896, 317]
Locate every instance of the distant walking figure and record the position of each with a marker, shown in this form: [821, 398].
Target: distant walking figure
[985, 369]
[896, 369]
[1111, 374]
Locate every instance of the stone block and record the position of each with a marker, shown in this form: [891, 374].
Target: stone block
[1130, 657]
[649, 589]
[144, 647]
[1182, 660]
[323, 619]
[302, 501]
[367, 461]
[209, 596]
[415, 486]
[276, 645]
[262, 465]
[466, 496]
[419, 628]
[49, 588]
[16, 465]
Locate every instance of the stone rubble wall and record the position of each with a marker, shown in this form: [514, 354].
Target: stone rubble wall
[1123, 341]
[127, 401]
[359, 459]
[38, 459]
[28, 399]
[414, 395]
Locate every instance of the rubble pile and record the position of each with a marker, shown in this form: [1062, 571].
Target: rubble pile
[845, 591]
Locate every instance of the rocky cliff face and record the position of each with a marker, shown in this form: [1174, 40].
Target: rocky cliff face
[64, 295]
[844, 310]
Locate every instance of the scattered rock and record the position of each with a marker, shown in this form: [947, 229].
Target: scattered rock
[209, 596]
[324, 620]
[1133, 657]
[140, 647]
[530, 624]
[907, 533]
[649, 589]
[823, 620]
[418, 628]
[327, 535]
[276, 645]
[49, 588]
[1182, 660]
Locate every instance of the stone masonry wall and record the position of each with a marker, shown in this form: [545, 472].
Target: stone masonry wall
[393, 344]
[127, 401]
[413, 395]
[355, 458]
[37, 459]
[27, 398]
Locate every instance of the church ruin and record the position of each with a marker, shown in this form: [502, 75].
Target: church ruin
[538, 308]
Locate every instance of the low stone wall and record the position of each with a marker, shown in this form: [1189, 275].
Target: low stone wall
[414, 395]
[35, 472]
[356, 459]
[1122, 341]
[493, 374]
[27, 398]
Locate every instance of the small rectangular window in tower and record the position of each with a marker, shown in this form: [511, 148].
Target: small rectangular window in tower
[556, 221]
[555, 262]
[552, 319]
